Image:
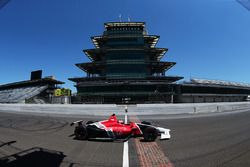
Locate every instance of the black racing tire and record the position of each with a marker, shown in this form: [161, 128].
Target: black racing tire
[150, 134]
[81, 132]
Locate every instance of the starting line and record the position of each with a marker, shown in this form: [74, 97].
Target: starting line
[149, 153]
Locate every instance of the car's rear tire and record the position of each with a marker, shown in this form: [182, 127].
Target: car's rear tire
[81, 132]
[150, 134]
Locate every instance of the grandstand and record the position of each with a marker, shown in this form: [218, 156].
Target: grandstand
[19, 95]
[219, 82]
[204, 90]
[36, 90]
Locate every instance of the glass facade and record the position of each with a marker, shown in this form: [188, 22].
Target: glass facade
[126, 55]
[124, 61]
[125, 42]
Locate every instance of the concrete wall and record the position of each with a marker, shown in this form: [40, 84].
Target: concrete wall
[140, 109]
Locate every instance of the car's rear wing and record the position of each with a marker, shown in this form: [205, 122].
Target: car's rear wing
[164, 133]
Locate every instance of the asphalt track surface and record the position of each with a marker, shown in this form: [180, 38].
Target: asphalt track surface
[198, 140]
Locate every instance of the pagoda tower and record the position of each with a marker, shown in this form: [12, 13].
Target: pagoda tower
[125, 65]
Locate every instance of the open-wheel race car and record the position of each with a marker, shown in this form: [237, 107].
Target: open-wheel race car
[113, 129]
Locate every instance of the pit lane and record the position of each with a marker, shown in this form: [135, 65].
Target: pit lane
[197, 140]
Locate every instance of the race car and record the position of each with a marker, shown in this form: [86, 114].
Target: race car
[113, 129]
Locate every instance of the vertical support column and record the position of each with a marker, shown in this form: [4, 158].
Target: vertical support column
[172, 95]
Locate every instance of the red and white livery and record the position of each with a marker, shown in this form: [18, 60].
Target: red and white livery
[113, 129]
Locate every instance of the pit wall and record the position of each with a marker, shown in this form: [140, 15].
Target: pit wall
[140, 109]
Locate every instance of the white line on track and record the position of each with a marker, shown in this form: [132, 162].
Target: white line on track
[125, 161]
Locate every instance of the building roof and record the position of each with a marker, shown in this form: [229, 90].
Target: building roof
[96, 54]
[151, 40]
[157, 53]
[215, 83]
[92, 68]
[30, 82]
[159, 67]
[218, 82]
[121, 24]
[148, 80]
[96, 67]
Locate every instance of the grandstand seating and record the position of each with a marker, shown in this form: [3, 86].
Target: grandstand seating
[19, 95]
[218, 82]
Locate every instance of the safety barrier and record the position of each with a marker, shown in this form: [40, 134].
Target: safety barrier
[140, 109]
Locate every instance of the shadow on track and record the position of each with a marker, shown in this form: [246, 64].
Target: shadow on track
[35, 156]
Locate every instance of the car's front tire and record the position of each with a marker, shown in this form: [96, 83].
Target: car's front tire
[81, 132]
[150, 134]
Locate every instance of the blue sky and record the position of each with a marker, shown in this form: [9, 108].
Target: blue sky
[207, 38]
